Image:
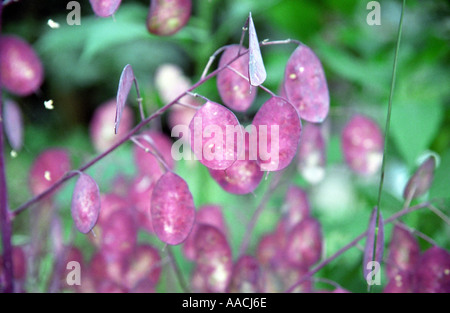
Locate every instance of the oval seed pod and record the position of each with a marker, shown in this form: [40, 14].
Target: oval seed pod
[213, 259]
[167, 17]
[85, 206]
[404, 252]
[101, 126]
[297, 205]
[140, 191]
[126, 81]
[242, 177]
[235, 91]
[304, 243]
[215, 135]
[311, 154]
[144, 264]
[49, 166]
[433, 271]
[119, 235]
[362, 144]
[172, 209]
[277, 126]
[306, 86]
[246, 277]
[256, 70]
[207, 214]
[104, 8]
[12, 117]
[421, 181]
[22, 71]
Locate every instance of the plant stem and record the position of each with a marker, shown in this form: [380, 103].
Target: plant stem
[177, 271]
[387, 127]
[126, 137]
[351, 244]
[5, 218]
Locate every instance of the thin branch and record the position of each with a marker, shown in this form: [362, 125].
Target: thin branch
[351, 244]
[439, 213]
[139, 99]
[280, 42]
[126, 137]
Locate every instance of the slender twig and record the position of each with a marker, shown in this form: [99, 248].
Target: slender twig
[177, 271]
[280, 42]
[417, 233]
[126, 137]
[211, 60]
[438, 212]
[387, 127]
[352, 244]
[139, 99]
[5, 220]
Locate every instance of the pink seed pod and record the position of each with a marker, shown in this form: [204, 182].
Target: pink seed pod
[102, 125]
[126, 81]
[296, 204]
[362, 144]
[146, 162]
[209, 215]
[172, 209]
[104, 8]
[242, 177]
[278, 128]
[140, 192]
[235, 91]
[304, 243]
[404, 252]
[421, 181]
[167, 17]
[49, 167]
[119, 235]
[143, 265]
[19, 263]
[289, 275]
[85, 206]
[246, 276]
[215, 136]
[214, 263]
[13, 123]
[22, 71]
[256, 70]
[433, 271]
[305, 85]
[401, 282]
[312, 154]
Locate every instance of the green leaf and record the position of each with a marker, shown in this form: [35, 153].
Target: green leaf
[440, 187]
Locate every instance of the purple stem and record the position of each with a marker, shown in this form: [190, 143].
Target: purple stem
[138, 127]
[353, 243]
[5, 219]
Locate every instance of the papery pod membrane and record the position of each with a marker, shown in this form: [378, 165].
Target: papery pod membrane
[167, 17]
[235, 91]
[432, 273]
[101, 126]
[104, 8]
[172, 209]
[246, 276]
[278, 130]
[86, 203]
[304, 243]
[297, 205]
[305, 85]
[209, 215]
[243, 176]
[49, 167]
[312, 154]
[362, 144]
[13, 123]
[404, 252]
[422, 179]
[215, 136]
[214, 263]
[144, 265]
[256, 70]
[125, 83]
[22, 71]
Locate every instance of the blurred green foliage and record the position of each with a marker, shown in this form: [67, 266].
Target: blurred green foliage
[83, 65]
